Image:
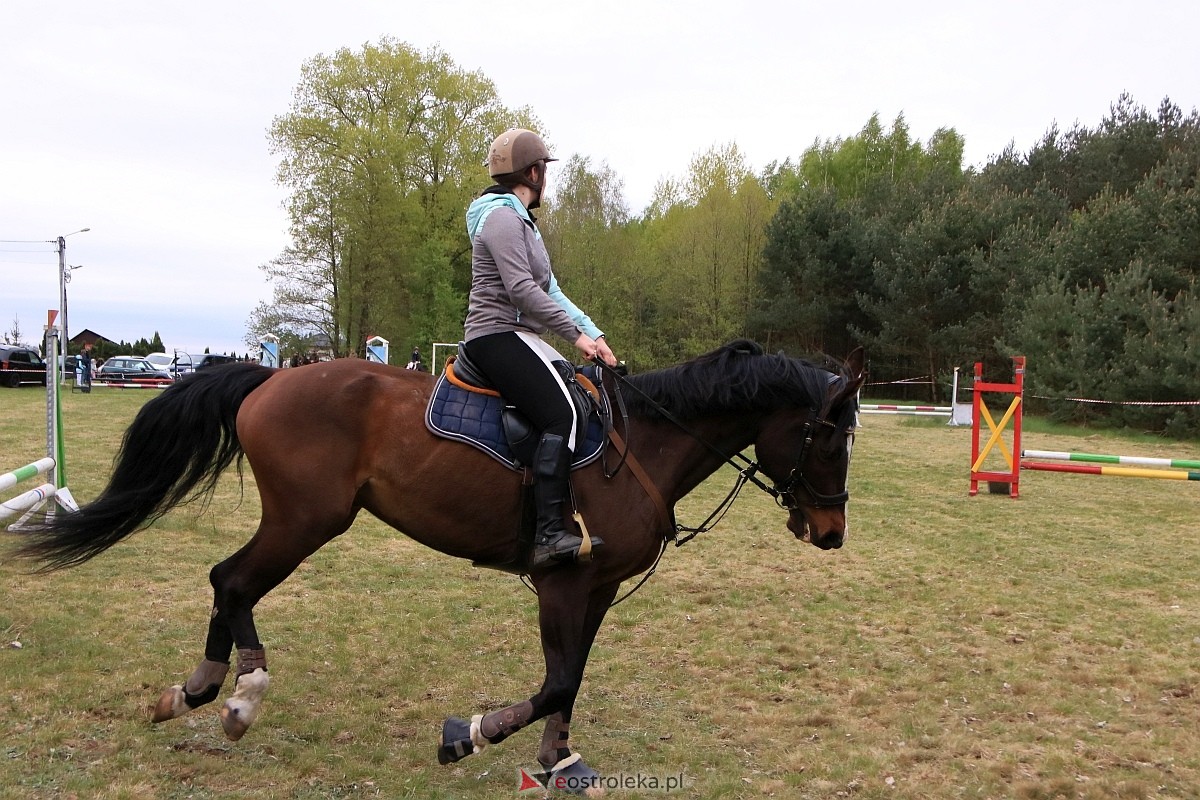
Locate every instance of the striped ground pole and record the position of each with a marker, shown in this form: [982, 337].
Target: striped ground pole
[1055, 455]
[11, 479]
[26, 501]
[1119, 472]
[148, 385]
[906, 411]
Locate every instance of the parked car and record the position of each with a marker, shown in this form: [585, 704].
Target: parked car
[121, 369]
[210, 359]
[175, 363]
[21, 365]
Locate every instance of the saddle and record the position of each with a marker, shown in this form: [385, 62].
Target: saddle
[464, 407]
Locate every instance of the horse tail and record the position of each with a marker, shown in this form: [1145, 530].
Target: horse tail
[174, 451]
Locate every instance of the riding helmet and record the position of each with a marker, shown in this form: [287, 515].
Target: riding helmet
[515, 151]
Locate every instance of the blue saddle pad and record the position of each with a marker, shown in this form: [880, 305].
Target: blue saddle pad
[474, 418]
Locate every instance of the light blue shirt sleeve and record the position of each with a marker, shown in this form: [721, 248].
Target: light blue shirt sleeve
[573, 311]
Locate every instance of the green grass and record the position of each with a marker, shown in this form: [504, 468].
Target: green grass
[986, 647]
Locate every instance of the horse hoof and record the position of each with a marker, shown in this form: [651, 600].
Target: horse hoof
[171, 704]
[233, 720]
[455, 742]
[241, 710]
[573, 776]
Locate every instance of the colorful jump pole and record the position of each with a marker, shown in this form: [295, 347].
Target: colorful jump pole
[54, 429]
[268, 350]
[1012, 476]
[1140, 461]
[1119, 472]
[33, 499]
[932, 411]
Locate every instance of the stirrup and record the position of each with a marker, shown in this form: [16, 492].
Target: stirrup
[563, 550]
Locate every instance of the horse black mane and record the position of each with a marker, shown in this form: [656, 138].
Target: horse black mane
[738, 376]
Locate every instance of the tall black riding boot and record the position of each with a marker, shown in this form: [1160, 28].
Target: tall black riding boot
[551, 489]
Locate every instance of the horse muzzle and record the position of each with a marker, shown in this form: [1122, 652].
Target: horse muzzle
[820, 528]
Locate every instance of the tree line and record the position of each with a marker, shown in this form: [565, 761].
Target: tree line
[1081, 253]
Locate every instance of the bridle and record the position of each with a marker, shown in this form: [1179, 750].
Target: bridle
[784, 492]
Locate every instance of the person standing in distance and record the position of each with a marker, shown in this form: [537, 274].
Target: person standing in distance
[514, 300]
[85, 368]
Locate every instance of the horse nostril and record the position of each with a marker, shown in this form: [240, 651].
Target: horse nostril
[832, 540]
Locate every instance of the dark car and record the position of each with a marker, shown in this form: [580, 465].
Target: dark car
[122, 369]
[21, 365]
[210, 360]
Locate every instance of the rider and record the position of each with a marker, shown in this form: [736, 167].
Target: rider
[514, 299]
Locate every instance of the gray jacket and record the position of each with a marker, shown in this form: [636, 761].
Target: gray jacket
[512, 285]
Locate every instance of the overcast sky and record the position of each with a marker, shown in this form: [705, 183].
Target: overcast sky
[146, 121]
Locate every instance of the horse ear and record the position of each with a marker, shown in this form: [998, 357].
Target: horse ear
[854, 368]
[853, 375]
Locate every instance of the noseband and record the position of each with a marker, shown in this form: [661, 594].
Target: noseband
[784, 491]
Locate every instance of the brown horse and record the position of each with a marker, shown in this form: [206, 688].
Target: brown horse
[354, 429]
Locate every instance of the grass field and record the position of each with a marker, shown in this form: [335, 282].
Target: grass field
[1042, 647]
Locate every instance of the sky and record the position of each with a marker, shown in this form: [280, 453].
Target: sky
[146, 122]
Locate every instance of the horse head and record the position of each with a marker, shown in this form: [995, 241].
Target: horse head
[807, 453]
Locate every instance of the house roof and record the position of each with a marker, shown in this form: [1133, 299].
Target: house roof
[87, 335]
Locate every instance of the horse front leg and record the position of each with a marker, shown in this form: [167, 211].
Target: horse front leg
[569, 622]
[562, 767]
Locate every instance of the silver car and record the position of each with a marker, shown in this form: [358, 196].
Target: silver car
[177, 363]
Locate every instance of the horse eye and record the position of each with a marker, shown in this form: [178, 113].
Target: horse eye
[835, 449]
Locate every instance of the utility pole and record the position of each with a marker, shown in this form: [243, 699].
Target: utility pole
[62, 310]
[62, 305]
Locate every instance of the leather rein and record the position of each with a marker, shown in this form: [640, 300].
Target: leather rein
[783, 492]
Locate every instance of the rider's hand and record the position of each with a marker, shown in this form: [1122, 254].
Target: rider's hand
[595, 348]
[606, 354]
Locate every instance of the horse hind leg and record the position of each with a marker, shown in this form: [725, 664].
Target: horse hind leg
[240, 710]
[244, 578]
[250, 686]
[205, 682]
[239, 583]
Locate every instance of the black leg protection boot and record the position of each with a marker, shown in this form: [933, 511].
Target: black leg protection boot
[551, 490]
